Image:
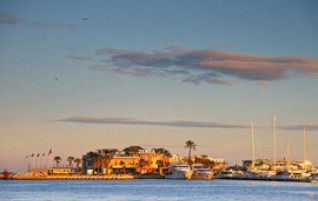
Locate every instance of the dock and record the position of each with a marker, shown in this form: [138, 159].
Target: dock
[89, 177]
[268, 179]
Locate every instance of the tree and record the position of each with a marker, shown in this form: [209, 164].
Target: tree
[208, 163]
[57, 160]
[92, 154]
[162, 151]
[106, 161]
[77, 161]
[70, 160]
[204, 156]
[167, 153]
[190, 145]
[160, 163]
[133, 150]
[189, 161]
[97, 163]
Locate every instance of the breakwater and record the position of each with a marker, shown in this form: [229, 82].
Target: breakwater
[87, 177]
[43, 176]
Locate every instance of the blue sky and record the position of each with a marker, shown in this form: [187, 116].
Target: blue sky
[221, 63]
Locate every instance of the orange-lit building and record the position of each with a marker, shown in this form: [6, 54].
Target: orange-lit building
[132, 160]
[124, 163]
[150, 162]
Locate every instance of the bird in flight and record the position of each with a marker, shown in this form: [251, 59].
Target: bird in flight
[56, 78]
[85, 18]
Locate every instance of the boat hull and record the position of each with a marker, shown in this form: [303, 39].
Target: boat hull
[178, 175]
[202, 175]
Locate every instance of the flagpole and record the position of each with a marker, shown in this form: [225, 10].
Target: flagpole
[44, 161]
[28, 163]
[39, 160]
[50, 163]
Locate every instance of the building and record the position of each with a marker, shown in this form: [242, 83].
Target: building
[131, 160]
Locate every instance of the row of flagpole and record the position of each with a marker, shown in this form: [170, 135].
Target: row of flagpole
[47, 159]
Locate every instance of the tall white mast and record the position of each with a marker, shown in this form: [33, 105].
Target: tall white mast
[274, 131]
[253, 148]
[305, 151]
[288, 149]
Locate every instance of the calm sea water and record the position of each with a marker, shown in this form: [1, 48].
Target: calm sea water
[96, 190]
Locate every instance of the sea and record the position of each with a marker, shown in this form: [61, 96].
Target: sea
[160, 189]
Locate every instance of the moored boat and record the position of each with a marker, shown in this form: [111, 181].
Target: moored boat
[201, 172]
[179, 172]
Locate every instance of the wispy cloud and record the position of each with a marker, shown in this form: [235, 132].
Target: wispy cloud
[10, 19]
[131, 121]
[79, 58]
[193, 124]
[205, 65]
[300, 127]
[173, 145]
[67, 25]
[36, 23]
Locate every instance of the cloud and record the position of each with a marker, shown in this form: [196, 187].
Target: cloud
[300, 127]
[67, 25]
[79, 58]
[9, 18]
[173, 145]
[36, 23]
[204, 65]
[131, 121]
[188, 124]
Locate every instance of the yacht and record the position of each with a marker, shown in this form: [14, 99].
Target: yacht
[201, 172]
[178, 172]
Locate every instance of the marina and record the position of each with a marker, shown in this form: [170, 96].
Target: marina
[162, 189]
[135, 162]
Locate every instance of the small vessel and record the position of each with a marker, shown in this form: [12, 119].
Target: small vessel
[201, 172]
[178, 172]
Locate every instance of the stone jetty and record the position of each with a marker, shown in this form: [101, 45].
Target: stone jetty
[43, 176]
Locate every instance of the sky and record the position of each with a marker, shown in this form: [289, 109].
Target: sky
[80, 76]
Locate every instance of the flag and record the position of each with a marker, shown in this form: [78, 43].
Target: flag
[50, 151]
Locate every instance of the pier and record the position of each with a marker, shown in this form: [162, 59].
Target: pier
[89, 177]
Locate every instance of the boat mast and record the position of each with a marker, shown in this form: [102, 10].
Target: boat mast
[305, 151]
[287, 151]
[253, 148]
[274, 131]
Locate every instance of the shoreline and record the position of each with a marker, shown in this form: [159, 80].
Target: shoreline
[39, 176]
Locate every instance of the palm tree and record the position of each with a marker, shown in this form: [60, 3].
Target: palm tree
[162, 151]
[190, 145]
[167, 153]
[97, 163]
[106, 161]
[57, 160]
[70, 160]
[77, 161]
